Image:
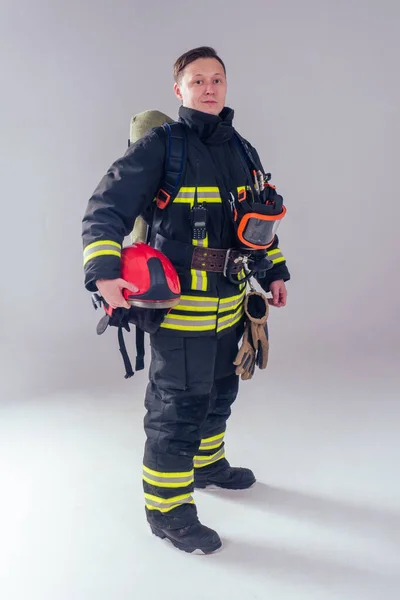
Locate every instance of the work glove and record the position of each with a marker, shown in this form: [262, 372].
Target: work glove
[245, 360]
[256, 308]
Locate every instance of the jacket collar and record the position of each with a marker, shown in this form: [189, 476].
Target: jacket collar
[211, 129]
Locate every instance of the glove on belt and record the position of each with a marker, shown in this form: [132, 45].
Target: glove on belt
[256, 308]
[245, 360]
[255, 344]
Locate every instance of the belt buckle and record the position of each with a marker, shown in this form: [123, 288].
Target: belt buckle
[227, 257]
[239, 258]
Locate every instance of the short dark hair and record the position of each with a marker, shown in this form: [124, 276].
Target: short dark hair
[191, 55]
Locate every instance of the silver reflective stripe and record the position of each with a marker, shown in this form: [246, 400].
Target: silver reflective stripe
[164, 505]
[275, 255]
[215, 439]
[199, 278]
[167, 480]
[208, 195]
[203, 461]
[211, 445]
[189, 323]
[231, 303]
[182, 195]
[199, 281]
[225, 322]
[241, 276]
[101, 248]
[196, 303]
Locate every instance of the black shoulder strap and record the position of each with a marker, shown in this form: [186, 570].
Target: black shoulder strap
[175, 161]
[246, 150]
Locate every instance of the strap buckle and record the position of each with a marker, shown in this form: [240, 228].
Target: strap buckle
[162, 198]
[240, 258]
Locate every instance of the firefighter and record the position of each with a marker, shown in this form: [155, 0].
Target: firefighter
[194, 371]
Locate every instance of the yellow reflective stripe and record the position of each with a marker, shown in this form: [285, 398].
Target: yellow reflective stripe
[220, 436]
[204, 461]
[192, 318]
[101, 253]
[167, 480]
[100, 243]
[229, 299]
[203, 243]
[199, 280]
[191, 303]
[276, 255]
[230, 320]
[231, 303]
[167, 483]
[210, 194]
[189, 323]
[178, 327]
[167, 504]
[210, 446]
[185, 196]
[185, 190]
[242, 275]
[167, 475]
[213, 299]
[198, 322]
[212, 443]
[101, 248]
[199, 277]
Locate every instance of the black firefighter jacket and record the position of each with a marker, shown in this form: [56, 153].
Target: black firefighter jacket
[210, 304]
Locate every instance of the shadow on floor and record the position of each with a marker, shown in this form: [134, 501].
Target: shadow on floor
[364, 520]
[303, 568]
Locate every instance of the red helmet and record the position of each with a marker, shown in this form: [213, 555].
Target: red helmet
[153, 273]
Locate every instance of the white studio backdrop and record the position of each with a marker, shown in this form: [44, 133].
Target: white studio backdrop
[314, 86]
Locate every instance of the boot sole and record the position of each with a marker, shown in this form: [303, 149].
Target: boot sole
[215, 486]
[191, 550]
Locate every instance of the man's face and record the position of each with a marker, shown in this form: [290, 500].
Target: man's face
[203, 86]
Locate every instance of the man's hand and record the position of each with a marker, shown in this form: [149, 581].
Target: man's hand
[111, 290]
[279, 293]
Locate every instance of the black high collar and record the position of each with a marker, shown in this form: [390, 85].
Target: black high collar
[211, 129]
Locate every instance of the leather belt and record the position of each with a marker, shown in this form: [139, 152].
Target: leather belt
[215, 260]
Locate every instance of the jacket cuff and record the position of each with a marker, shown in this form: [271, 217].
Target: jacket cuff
[101, 267]
[279, 271]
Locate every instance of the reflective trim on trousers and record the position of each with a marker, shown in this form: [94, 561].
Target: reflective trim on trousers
[167, 504]
[212, 443]
[204, 461]
[167, 480]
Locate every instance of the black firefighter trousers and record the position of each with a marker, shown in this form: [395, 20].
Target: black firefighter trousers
[192, 386]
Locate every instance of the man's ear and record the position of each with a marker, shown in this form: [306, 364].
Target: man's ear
[177, 91]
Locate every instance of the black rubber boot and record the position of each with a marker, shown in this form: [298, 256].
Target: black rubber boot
[222, 475]
[195, 538]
